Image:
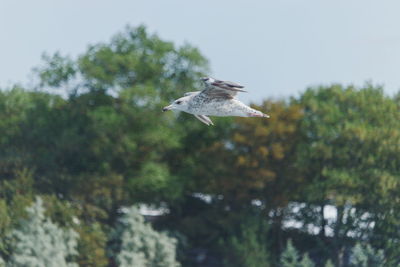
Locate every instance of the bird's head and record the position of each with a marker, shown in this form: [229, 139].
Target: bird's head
[181, 104]
[207, 79]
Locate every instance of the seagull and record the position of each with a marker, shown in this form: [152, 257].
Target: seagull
[216, 99]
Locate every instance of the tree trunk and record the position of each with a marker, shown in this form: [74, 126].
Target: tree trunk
[322, 233]
[338, 242]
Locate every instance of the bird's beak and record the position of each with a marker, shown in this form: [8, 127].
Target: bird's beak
[167, 108]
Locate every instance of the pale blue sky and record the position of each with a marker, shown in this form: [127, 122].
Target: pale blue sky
[274, 48]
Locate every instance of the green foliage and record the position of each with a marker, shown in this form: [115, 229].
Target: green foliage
[40, 242]
[290, 257]
[249, 247]
[137, 244]
[347, 154]
[306, 261]
[15, 196]
[329, 263]
[56, 70]
[5, 222]
[344, 131]
[92, 246]
[363, 256]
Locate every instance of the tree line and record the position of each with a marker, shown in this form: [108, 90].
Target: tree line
[319, 179]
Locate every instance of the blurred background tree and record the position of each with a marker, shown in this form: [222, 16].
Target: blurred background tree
[39, 242]
[349, 142]
[135, 243]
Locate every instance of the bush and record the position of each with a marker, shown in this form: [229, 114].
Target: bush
[366, 256]
[39, 242]
[290, 257]
[135, 243]
[249, 247]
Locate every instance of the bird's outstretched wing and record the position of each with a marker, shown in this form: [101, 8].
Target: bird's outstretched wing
[221, 89]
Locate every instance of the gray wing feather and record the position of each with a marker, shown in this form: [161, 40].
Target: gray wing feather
[228, 84]
[221, 89]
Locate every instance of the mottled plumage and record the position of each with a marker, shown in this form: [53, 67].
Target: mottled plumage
[216, 99]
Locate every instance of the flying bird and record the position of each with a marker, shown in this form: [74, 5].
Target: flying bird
[216, 99]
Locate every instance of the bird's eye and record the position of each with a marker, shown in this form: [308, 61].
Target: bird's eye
[178, 102]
